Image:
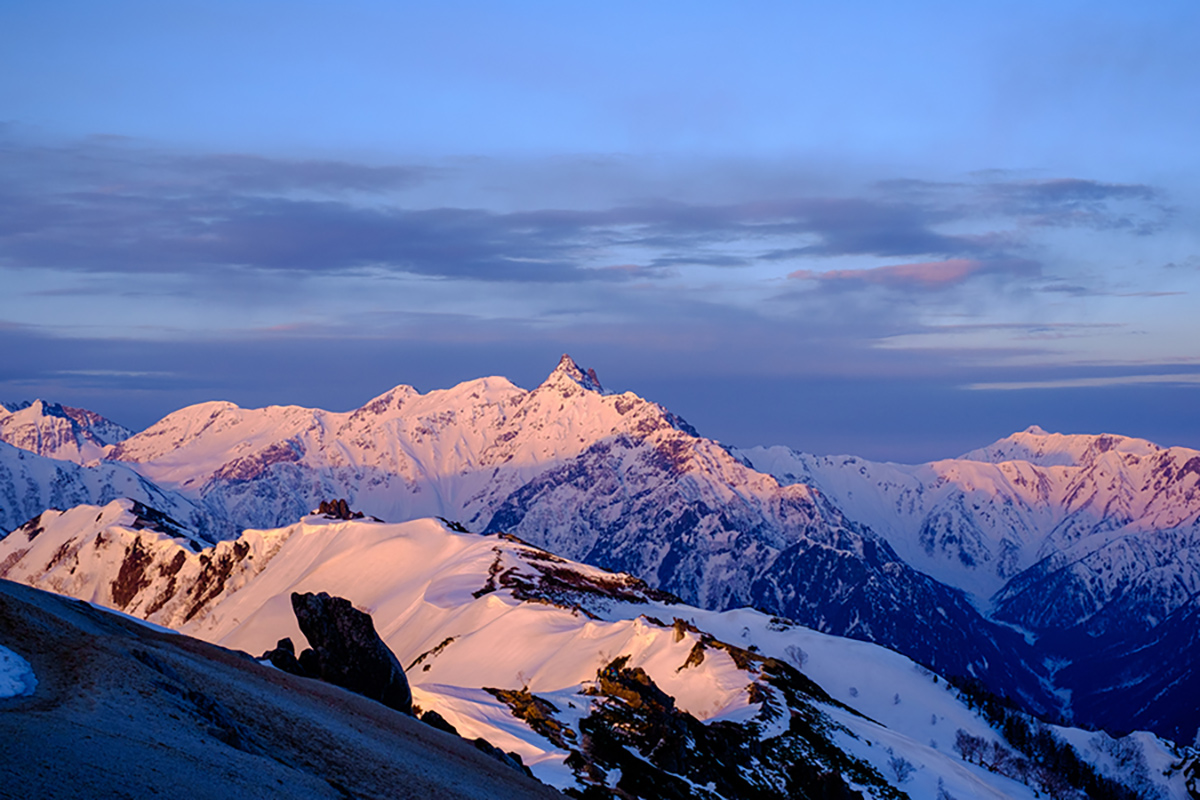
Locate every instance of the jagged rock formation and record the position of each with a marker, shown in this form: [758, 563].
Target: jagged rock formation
[346, 651]
[338, 509]
[283, 657]
[636, 743]
[129, 557]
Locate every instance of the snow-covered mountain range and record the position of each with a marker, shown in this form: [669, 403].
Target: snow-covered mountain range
[30, 484]
[1091, 543]
[611, 480]
[1056, 510]
[58, 431]
[1036, 564]
[600, 683]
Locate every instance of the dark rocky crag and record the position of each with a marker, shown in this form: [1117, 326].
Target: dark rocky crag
[338, 509]
[346, 651]
[283, 657]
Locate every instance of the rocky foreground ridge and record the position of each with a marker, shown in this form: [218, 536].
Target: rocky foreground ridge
[123, 710]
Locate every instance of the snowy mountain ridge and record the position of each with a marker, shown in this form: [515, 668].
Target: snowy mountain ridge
[30, 484]
[58, 431]
[402, 455]
[977, 521]
[530, 650]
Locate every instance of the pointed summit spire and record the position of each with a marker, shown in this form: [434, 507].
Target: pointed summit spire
[568, 372]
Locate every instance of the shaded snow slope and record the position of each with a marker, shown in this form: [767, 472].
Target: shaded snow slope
[486, 624]
[16, 676]
[30, 484]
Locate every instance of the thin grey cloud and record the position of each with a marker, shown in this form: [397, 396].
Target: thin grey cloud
[1173, 379]
[94, 232]
[1072, 202]
[252, 173]
[1049, 202]
[118, 164]
[921, 276]
[1072, 289]
[1191, 262]
[1073, 193]
[700, 259]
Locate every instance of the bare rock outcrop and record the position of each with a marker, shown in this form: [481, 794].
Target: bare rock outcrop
[283, 657]
[338, 509]
[346, 651]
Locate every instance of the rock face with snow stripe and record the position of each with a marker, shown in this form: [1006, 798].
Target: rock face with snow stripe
[581, 672]
[1133, 580]
[58, 431]
[30, 484]
[1148, 675]
[873, 597]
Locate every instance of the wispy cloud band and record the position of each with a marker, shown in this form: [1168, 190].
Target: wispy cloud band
[95, 206]
[1179, 379]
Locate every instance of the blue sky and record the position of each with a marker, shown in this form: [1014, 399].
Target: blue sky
[899, 230]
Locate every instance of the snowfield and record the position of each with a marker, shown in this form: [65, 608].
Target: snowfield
[16, 676]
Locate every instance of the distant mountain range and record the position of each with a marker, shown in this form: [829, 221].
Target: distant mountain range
[1059, 570]
[56, 431]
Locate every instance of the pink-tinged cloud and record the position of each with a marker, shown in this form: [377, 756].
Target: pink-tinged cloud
[923, 275]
